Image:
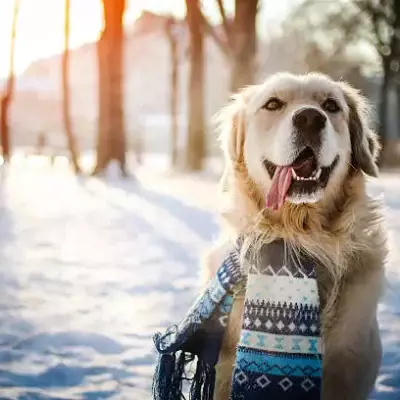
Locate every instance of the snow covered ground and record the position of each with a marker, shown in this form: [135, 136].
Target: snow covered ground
[90, 269]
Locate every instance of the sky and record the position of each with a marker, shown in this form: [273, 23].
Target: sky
[40, 24]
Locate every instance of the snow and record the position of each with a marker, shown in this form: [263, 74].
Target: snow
[90, 269]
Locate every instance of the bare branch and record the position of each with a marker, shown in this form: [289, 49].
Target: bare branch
[374, 11]
[220, 43]
[378, 36]
[349, 33]
[376, 15]
[225, 24]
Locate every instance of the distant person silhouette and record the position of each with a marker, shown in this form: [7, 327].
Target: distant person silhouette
[41, 143]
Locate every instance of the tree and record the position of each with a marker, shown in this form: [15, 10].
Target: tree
[196, 145]
[240, 42]
[111, 144]
[239, 47]
[384, 17]
[7, 95]
[327, 35]
[244, 43]
[72, 145]
[171, 30]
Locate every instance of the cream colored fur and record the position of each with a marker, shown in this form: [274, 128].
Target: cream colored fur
[342, 229]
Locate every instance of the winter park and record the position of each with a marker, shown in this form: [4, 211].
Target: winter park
[110, 194]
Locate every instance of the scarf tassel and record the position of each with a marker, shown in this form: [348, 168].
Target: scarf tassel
[170, 375]
[203, 383]
[163, 377]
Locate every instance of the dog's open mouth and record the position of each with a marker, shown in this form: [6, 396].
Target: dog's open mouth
[303, 177]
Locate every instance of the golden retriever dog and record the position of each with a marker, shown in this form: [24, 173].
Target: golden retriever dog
[297, 152]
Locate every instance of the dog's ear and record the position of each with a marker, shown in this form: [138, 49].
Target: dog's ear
[231, 122]
[365, 146]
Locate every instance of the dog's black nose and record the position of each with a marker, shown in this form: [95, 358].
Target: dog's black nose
[308, 124]
[309, 121]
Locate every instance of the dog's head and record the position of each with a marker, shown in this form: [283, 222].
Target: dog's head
[297, 138]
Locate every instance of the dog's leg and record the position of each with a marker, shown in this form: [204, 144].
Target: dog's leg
[227, 355]
[214, 257]
[352, 343]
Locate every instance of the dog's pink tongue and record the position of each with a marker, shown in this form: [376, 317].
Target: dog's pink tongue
[280, 185]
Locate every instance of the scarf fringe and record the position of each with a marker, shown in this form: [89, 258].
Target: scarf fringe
[171, 373]
[162, 381]
[203, 384]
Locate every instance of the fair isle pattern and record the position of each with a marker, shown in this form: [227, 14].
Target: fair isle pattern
[303, 272]
[279, 354]
[278, 364]
[278, 286]
[211, 308]
[281, 319]
[197, 338]
[281, 343]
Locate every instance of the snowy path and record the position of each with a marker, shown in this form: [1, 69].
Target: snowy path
[90, 269]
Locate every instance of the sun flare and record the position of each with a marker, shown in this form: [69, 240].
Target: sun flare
[40, 26]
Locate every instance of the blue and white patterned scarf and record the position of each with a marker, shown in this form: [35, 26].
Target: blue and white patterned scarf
[279, 355]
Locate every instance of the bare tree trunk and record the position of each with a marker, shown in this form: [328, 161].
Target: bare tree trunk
[103, 137]
[384, 102]
[244, 44]
[387, 84]
[196, 146]
[396, 54]
[8, 91]
[111, 136]
[4, 126]
[72, 144]
[173, 41]
[398, 110]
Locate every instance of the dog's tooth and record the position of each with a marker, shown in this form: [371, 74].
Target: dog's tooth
[318, 174]
[294, 174]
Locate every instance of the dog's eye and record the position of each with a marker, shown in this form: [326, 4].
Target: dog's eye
[273, 104]
[331, 106]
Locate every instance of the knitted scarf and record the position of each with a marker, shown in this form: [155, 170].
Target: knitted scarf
[279, 355]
